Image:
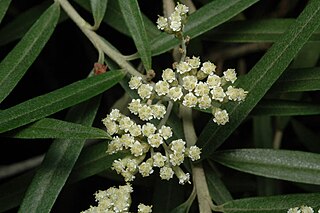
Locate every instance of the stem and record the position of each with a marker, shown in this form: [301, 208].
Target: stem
[165, 118]
[96, 40]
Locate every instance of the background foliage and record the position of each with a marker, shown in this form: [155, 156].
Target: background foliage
[266, 159]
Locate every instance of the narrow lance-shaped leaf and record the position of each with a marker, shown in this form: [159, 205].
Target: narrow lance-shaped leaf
[262, 76]
[58, 163]
[201, 21]
[271, 204]
[133, 18]
[4, 4]
[297, 166]
[57, 100]
[98, 8]
[17, 62]
[53, 128]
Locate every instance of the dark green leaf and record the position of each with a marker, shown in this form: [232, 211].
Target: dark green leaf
[57, 100]
[285, 108]
[58, 163]
[98, 8]
[268, 30]
[207, 17]
[133, 18]
[53, 128]
[301, 167]
[4, 4]
[271, 204]
[17, 62]
[262, 76]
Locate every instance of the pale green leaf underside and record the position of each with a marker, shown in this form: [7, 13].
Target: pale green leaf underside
[262, 76]
[4, 4]
[272, 204]
[17, 62]
[53, 128]
[296, 166]
[57, 100]
[98, 8]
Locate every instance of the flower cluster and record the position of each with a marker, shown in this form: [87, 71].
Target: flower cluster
[142, 139]
[115, 200]
[194, 85]
[175, 22]
[302, 209]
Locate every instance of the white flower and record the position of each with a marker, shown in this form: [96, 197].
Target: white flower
[145, 113]
[145, 91]
[217, 94]
[135, 82]
[162, 23]
[165, 132]
[134, 106]
[162, 87]
[178, 146]
[194, 62]
[176, 159]
[159, 160]
[221, 117]
[115, 114]
[168, 75]
[114, 146]
[182, 9]
[127, 140]
[193, 153]
[183, 177]
[213, 81]
[189, 82]
[202, 89]
[175, 21]
[158, 110]
[125, 123]
[183, 67]
[144, 208]
[204, 102]
[175, 93]
[136, 149]
[306, 209]
[135, 130]
[155, 140]
[190, 100]
[230, 75]
[236, 94]
[145, 169]
[118, 166]
[166, 173]
[208, 67]
[112, 127]
[148, 129]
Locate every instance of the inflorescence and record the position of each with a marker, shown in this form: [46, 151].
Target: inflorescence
[302, 209]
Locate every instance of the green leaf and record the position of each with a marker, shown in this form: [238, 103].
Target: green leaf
[17, 62]
[133, 18]
[53, 128]
[301, 167]
[184, 207]
[262, 76]
[298, 80]
[58, 163]
[271, 204]
[204, 19]
[285, 108]
[98, 8]
[268, 30]
[57, 100]
[4, 4]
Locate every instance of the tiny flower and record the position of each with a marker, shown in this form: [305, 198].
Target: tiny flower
[182, 9]
[144, 208]
[135, 82]
[158, 110]
[145, 91]
[204, 102]
[162, 87]
[190, 100]
[230, 75]
[175, 21]
[236, 94]
[125, 123]
[208, 67]
[135, 130]
[306, 209]
[175, 93]
[221, 117]
[145, 113]
[194, 62]
[166, 173]
[115, 145]
[202, 89]
[134, 106]
[118, 166]
[145, 169]
[136, 149]
[115, 114]
[183, 67]
[131, 165]
[193, 153]
[155, 140]
[183, 177]
[213, 81]
[112, 127]
[217, 94]
[159, 160]
[127, 140]
[128, 176]
[178, 146]
[148, 129]
[165, 132]
[168, 75]
[176, 159]
[162, 23]
[294, 210]
[189, 82]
